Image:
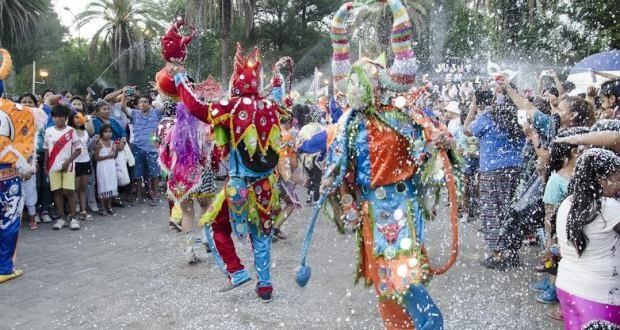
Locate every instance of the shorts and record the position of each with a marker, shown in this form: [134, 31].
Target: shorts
[83, 169]
[146, 164]
[62, 180]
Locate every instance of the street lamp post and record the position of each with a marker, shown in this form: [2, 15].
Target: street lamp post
[43, 73]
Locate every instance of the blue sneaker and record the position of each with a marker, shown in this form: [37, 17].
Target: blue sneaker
[548, 297]
[541, 286]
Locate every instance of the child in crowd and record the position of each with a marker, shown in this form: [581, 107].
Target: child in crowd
[83, 167]
[105, 154]
[62, 148]
[29, 191]
[588, 229]
[562, 161]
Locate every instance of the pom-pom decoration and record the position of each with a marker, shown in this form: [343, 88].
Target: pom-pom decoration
[7, 64]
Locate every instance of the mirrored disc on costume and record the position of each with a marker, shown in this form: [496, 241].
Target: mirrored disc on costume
[258, 190]
[383, 286]
[380, 193]
[263, 121]
[232, 191]
[412, 262]
[401, 271]
[399, 214]
[267, 224]
[400, 102]
[381, 271]
[351, 215]
[247, 100]
[347, 200]
[390, 252]
[260, 105]
[405, 243]
[243, 115]
[243, 192]
[240, 228]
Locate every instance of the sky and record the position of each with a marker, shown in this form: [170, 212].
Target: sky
[76, 6]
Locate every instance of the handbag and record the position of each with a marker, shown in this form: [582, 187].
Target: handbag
[131, 161]
[122, 173]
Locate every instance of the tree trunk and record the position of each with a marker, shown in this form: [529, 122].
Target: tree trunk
[531, 11]
[225, 27]
[122, 67]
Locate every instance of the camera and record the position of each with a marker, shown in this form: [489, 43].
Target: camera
[484, 97]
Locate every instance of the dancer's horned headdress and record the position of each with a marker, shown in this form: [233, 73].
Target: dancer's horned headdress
[245, 79]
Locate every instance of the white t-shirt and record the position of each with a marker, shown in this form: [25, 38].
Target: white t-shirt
[84, 156]
[596, 274]
[52, 135]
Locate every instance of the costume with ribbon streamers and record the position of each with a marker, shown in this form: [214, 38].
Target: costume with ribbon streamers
[186, 156]
[17, 144]
[385, 154]
[247, 126]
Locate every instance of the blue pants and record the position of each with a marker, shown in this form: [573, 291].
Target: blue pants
[11, 206]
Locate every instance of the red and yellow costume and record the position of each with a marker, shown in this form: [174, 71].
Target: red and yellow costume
[247, 126]
[17, 143]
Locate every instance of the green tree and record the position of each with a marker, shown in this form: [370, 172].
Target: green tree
[123, 30]
[19, 19]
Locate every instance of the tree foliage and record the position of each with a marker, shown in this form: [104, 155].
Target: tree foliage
[554, 32]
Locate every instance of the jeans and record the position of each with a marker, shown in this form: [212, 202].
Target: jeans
[43, 186]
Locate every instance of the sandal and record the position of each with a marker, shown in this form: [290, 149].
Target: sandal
[556, 314]
[32, 224]
[110, 212]
[15, 274]
[85, 216]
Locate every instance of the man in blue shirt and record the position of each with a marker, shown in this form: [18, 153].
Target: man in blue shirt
[144, 121]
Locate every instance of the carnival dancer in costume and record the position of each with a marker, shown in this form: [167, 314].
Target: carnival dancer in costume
[287, 169]
[248, 125]
[391, 148]
[185, 154]
[17, 143]
[288, 177]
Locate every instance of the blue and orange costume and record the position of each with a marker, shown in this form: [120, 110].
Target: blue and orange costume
[386, 157]
[17, 136]
[247, 126]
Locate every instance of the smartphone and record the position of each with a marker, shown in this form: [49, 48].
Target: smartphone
[484, 97]
[90, 91]
[129, 91]
[522, 117]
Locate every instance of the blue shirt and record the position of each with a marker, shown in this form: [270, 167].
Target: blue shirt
[118, 132]
[555, 190]
[498, 150]
[143, 128]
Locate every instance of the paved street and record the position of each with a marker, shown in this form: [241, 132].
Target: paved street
[127, 272]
